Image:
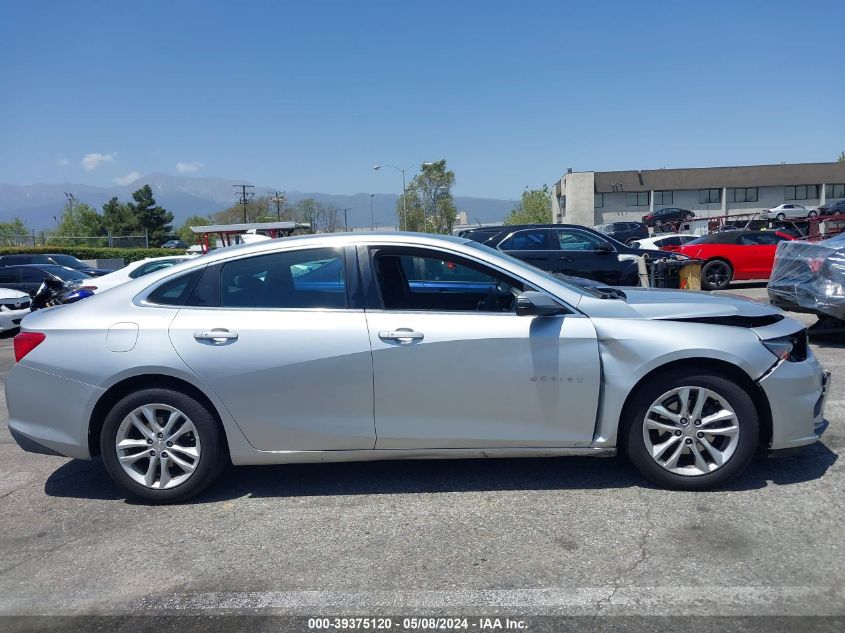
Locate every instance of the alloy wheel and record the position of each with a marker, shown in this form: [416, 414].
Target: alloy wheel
[158, 446]
[691, 431]
[717, 274]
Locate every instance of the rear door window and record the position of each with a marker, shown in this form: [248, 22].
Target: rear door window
[526, 240]
[308, 278]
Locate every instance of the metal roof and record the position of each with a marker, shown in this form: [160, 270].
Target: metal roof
[248, 226]
[717, 177]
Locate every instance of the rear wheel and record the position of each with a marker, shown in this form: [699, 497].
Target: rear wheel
[658, 223]
[691, 430]
[781, 216]
[162, 445]
[689, 216]
[812, 214]
[716, 275]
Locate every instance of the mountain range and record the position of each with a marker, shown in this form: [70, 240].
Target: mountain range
[40, 204]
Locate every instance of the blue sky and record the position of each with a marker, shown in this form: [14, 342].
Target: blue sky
[309, 95]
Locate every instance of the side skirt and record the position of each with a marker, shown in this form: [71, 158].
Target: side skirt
[305, 457]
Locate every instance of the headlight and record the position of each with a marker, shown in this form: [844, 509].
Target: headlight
[792, 348]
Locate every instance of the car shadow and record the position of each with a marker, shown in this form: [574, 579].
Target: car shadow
[88, 480]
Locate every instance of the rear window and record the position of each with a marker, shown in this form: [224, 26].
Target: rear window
[175, 291]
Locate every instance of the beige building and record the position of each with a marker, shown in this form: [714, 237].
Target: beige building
[593, 197]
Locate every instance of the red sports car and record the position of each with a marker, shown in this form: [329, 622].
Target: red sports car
[734, 255]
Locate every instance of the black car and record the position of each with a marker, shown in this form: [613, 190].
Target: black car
[28, 277]
[832, 208]
[175, 244]
[668, 215]
[625, 232]
[571, 250]
[49, 259]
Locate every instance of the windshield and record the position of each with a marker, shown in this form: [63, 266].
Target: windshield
[68, 274]
[67, 260]
[575, 284]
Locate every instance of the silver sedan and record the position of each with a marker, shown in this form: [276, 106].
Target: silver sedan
[390, 346]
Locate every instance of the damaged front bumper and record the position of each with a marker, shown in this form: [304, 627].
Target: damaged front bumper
[797, 393]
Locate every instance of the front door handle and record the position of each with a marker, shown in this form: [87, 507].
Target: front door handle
[565, 258]
[218, 335]
[401, 335]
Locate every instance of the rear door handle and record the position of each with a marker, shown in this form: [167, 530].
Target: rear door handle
[216, 335]
[400, 335]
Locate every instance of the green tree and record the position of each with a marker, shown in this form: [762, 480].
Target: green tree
[80, 221]
[841, 158]
[153, 219]
[185, 233]
[427, 205]
[14, 233]
[119, 219]
[534, 208]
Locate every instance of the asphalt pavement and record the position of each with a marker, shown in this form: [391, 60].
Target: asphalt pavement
[574, 536]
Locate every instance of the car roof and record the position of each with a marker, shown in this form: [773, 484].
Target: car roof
[728, 237]
[43, 266]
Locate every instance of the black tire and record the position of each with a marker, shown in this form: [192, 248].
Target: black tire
[658, 223]
[780, 216]
[634, 445]
[212, 457]
[689, 216]
[716, 274]
[812, 214]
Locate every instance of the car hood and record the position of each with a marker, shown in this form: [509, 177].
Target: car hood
[659, 303]
[8, 293]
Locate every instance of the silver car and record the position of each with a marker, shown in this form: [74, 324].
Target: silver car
[389, 346]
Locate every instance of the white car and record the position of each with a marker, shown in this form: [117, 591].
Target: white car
[658, 242]
[786, 210]
[133, 271]
[14, 305]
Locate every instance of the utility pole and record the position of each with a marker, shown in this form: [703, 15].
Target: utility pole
[244, 196]
[372, 221]
[278, 199]
[345, 220]
[70, 199]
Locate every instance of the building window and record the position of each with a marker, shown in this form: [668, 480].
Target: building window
[742, 194]
[663, 197]
[801, 192]
[709, 196]
[835, 191]
[598, 201]
[637, 198]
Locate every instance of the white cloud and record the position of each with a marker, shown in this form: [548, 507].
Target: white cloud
[187, 168]
[91, 161]
[62, 162]
[131, 177]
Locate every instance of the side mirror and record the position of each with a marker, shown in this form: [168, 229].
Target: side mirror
[604, 247]
[531, 303]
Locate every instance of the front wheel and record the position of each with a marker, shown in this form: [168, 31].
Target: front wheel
[812, 214]
[716, 275]
[781, 216]
[689, 217]
[691, 430]
[162, 445]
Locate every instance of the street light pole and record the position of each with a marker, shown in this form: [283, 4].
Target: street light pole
[372, 221]
[404, 190]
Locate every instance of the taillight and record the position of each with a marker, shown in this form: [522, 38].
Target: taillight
[25, 342]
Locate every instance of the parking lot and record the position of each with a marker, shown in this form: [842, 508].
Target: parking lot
[559, 536]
